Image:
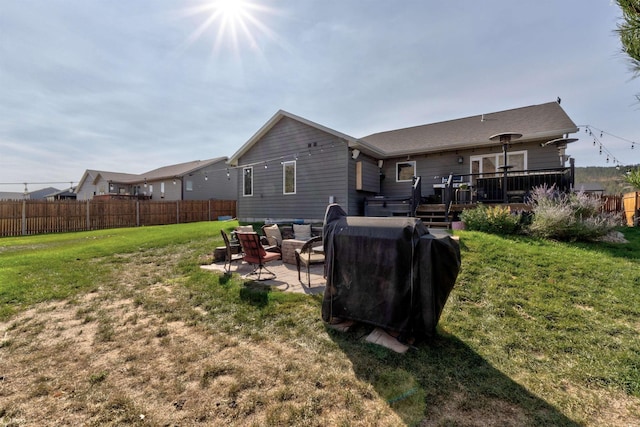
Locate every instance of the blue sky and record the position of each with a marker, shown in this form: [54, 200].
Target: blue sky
[129, 86]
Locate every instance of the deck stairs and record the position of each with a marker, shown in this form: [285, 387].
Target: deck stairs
[434, 215]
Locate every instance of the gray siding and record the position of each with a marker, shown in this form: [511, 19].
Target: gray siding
[215, 186]
[432, 167]
[356, 197]
[154, 189]
[320, 173]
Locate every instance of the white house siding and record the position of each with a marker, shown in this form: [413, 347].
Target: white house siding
[320, 173]
[86, 193]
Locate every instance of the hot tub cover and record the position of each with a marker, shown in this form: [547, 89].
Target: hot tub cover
[388, 272]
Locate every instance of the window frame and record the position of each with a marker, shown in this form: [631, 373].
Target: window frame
[244, 181]
[498, 159]
[284, 177]
[406, 162]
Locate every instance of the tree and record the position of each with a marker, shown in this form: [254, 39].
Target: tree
[629, 31]
[633, 177]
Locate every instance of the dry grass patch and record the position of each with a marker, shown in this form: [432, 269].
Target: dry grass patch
[140, 335]
[137, 352]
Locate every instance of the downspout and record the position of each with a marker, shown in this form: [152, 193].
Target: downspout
[347, 157]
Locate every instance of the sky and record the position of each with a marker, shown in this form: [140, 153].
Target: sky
[130, 86]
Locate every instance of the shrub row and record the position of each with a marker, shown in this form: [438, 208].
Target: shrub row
[553, 215]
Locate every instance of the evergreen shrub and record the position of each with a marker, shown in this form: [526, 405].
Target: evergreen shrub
[491, 219]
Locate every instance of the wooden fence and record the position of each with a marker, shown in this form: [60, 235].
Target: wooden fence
[25, 217]
[612, 203]
[632, 208]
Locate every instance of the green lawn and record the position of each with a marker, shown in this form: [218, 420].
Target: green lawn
[534, 333]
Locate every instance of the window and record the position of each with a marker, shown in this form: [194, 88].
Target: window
[405, 171]
[289, 177]
[490, 164]
[247, 181]
[189, 185]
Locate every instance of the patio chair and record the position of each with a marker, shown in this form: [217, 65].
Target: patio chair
[307, 256]
[273, 237]
[255, 254]
[230, 256]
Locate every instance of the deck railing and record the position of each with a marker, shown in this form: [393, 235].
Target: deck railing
[511, 187]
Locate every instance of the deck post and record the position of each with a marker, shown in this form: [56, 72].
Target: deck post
[505, 139]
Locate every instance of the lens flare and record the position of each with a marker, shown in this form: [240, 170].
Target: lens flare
[235, 23]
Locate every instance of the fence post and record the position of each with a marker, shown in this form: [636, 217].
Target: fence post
[88, 227]
[209, 209]
[137, 213]
[24, 217]
[177, 212]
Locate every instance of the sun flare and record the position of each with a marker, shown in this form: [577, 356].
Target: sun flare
[231, 9]
[231, 23]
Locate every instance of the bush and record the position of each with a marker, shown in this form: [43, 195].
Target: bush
[491, 219]
[575, 216]
[633, 177]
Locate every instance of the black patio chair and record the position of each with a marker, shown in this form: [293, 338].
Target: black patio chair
[307, 256]
[230, 254]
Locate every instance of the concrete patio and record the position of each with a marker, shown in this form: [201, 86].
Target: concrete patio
[286, 275]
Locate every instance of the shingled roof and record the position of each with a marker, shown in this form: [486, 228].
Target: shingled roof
[165, 172]
[180, 169]
[534, 122]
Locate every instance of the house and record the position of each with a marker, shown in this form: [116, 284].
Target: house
[196, 180]
[66, 194]
[292, 167]
[13, 195]
[42, 193]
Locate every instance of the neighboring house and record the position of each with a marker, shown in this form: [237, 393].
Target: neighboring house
[13, 195]
[196, 180]
[292, 167]
[42, 193]
[31, 195]
[67, 194]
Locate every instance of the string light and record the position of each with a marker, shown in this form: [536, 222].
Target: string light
[601, 147]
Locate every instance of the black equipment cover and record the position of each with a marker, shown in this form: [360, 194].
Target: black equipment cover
[388, 272]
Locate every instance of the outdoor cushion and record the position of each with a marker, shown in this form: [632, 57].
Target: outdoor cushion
[245, 228]
[302, 231]
[273, 234]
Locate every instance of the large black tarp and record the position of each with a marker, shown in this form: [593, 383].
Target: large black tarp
[388, 272]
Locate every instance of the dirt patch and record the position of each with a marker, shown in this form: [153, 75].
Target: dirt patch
[131, 354]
